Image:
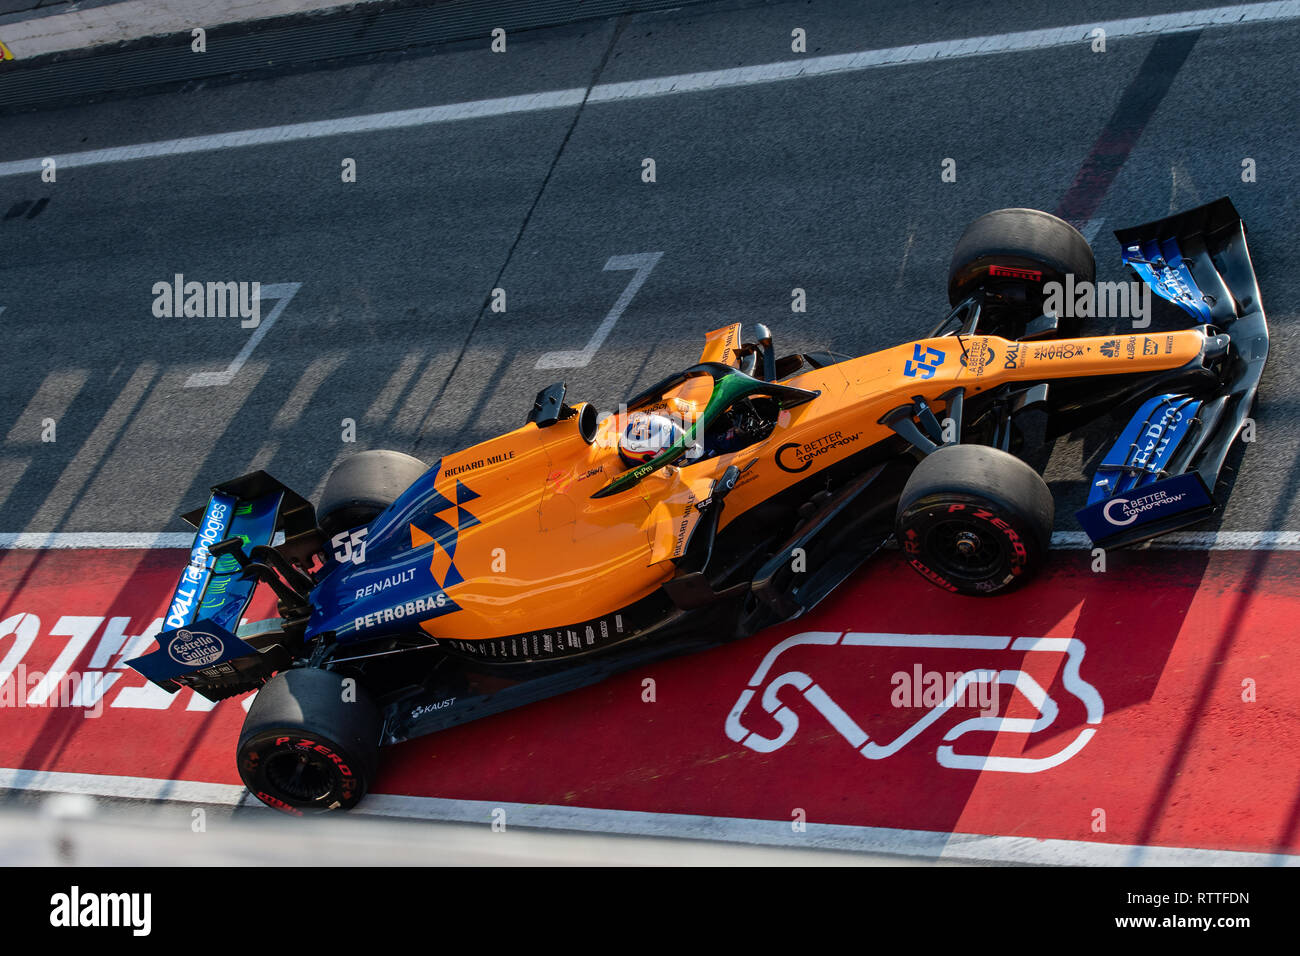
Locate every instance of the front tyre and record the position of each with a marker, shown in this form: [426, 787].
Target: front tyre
[1012, 254]
[310, 742]
[975, 520]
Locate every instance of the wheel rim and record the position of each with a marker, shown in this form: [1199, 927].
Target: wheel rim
[300, 775]
[965, 549]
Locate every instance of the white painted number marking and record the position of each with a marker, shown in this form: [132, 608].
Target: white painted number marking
[284, 293]
[643, 263]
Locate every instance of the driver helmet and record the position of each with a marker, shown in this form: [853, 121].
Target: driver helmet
[645, 436]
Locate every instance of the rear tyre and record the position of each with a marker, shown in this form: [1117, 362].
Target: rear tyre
[975, 520]
[362, 486]
[310, 742]
[1012, 254]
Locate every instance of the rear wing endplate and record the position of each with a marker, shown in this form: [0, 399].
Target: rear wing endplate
[214, 591]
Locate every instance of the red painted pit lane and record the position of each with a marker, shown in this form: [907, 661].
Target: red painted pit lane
[1170, 644]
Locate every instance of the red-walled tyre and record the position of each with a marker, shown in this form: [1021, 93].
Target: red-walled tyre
[975, 520]
[310, 742]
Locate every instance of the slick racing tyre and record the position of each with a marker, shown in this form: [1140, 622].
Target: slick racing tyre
[310, 742]
[362, 486]
[975, 520]
[1013, 254]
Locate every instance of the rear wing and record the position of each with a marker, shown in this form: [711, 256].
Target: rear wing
[1162, 471]
[198, 645]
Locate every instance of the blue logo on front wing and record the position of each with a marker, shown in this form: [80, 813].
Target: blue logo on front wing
[1159, 501]
[924, 360]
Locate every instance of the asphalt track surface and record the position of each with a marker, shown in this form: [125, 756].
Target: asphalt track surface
[828, 183]
[831, 184]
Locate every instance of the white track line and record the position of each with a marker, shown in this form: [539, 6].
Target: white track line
[87, 540]
[1061, 540]
[926, 844]
[1236, 15]
[111, 540]
[372, 122]
[1197, 541]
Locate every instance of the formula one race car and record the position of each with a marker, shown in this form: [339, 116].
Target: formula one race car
[413, 596]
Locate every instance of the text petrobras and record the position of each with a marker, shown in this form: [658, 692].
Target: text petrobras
[399, 611]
